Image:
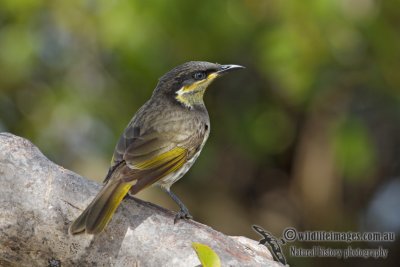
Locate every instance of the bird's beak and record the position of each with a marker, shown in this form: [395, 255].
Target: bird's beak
[228, 68]
[222, 70]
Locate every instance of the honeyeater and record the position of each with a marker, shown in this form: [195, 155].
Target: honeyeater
[160, 143]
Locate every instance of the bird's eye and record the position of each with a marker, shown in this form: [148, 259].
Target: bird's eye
[199, 75]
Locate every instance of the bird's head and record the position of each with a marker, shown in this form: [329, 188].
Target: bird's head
[188, 82]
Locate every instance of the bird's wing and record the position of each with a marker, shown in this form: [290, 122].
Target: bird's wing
[150, 157]
[156, 168]
[148, 150]
[157, 155]
[146, 160]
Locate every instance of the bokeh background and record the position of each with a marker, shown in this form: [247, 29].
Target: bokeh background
[307, 136]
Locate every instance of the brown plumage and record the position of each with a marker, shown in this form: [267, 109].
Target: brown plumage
[159, 145]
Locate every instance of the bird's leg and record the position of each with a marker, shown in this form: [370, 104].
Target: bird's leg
[184, 212]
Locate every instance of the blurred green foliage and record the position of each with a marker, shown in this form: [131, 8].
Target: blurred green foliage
[303, 137]
[354, 151]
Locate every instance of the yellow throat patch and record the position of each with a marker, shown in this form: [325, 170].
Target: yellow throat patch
[192, 94]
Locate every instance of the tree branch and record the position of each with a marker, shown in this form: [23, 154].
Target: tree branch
[39, 199]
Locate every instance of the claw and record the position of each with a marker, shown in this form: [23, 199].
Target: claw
[182, 214]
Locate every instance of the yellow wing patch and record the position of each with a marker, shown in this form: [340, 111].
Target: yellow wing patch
[156, 168]
[169, 158]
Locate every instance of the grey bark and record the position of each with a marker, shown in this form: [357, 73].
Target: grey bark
[39, 199]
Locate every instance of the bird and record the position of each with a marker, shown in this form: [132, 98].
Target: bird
[159, 145]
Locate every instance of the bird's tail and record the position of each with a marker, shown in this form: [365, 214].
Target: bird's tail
[97, 215]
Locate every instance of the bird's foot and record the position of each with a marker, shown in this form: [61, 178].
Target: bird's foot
[182, 214]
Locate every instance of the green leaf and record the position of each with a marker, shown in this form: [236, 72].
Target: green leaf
[206, 255]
